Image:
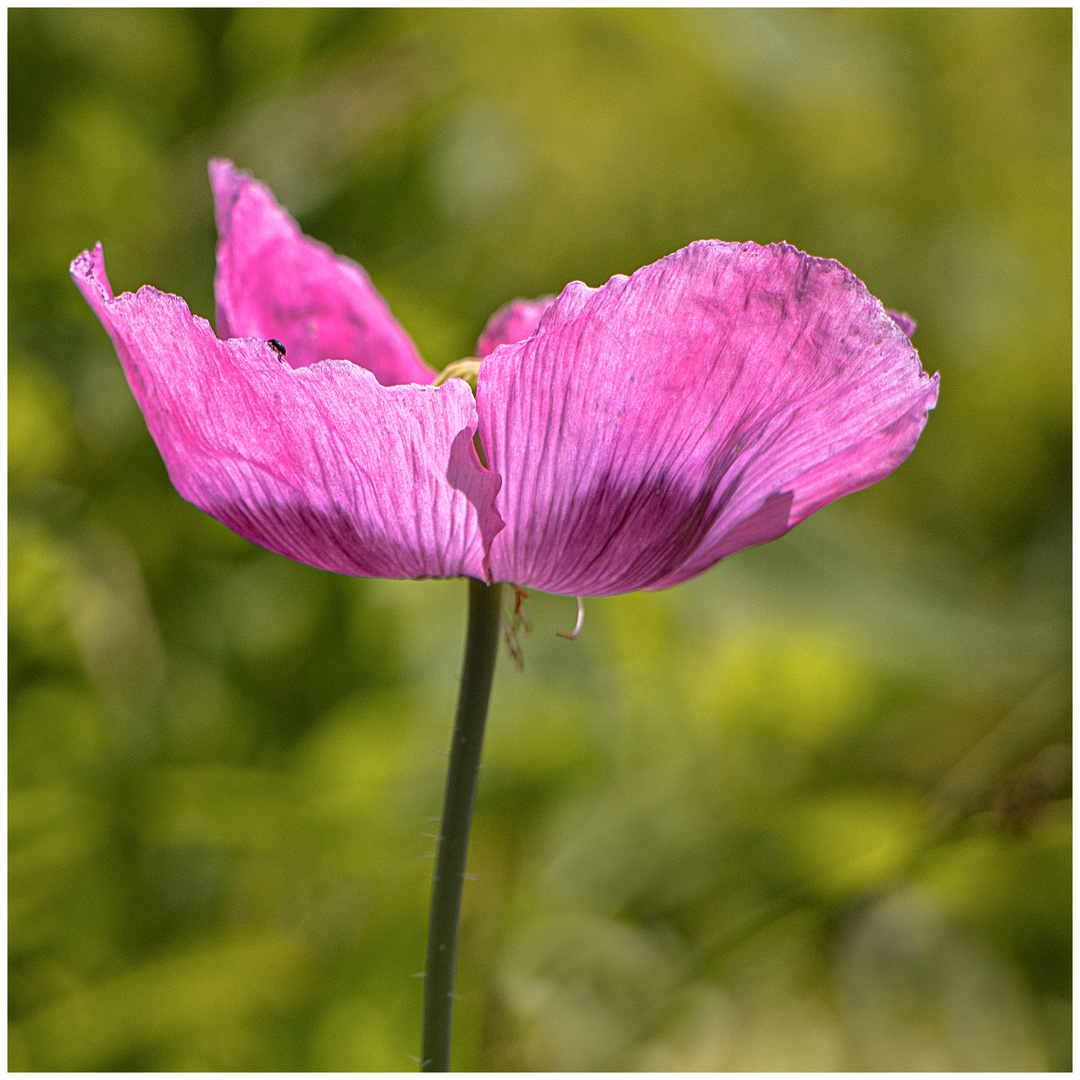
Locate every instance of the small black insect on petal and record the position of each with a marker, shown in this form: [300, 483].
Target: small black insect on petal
[277, 346]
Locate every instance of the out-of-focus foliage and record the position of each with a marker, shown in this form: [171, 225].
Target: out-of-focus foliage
[810, 811]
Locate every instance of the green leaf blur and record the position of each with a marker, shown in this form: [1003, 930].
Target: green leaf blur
[808, 812]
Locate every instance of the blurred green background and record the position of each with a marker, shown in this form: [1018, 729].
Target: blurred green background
[810, 811]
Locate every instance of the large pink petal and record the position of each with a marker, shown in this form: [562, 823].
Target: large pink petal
[320, 463]
[274, 282]
[706, 404]
[512, 322]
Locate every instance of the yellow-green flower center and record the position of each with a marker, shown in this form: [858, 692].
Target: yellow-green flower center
[467, 369]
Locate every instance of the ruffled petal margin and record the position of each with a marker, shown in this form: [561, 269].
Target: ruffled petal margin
[903, 320]
[708, 403]
[272, 281]
[321, 464]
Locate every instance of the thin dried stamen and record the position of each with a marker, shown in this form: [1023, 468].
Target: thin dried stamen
[515, 625]
[577, 626]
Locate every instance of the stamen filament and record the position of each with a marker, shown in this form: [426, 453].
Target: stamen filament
[577, 626]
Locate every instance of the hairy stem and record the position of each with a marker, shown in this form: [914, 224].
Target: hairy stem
[481, 646]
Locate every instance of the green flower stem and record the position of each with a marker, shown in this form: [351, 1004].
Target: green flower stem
[481, 647]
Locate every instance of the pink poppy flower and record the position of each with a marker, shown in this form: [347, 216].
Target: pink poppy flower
[633, 435]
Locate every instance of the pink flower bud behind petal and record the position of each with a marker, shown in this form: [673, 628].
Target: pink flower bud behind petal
[512, 322]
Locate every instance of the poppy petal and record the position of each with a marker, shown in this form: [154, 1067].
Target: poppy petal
[272, 281]
[708, 403]
[321, 463]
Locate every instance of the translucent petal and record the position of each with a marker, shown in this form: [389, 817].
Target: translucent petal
[708, 403]
[321, 463]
